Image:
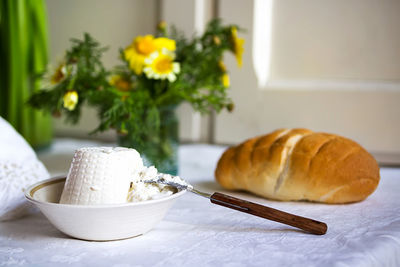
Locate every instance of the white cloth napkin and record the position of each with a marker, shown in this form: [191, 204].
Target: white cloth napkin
[19, 168]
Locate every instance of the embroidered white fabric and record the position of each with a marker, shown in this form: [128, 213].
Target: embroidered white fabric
[19, 168]
[198, 233]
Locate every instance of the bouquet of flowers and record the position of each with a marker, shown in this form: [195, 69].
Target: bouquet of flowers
[138, 97]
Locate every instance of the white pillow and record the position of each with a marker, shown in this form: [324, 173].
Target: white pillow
[19, 168]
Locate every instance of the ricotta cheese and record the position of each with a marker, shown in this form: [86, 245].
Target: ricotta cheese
[101, 175]
[111, 175]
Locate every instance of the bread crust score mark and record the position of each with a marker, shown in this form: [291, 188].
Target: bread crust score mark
[274, 159]
[283, 174]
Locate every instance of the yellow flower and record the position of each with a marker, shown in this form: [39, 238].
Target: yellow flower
[135, 53]
[70, 100]
[121, 83]
[162, 26]
[59, 74]
[222, 66]
[163, 42]
[160, 66]
[225, 80]
[142, 47]
[237, 46]
[216, 40]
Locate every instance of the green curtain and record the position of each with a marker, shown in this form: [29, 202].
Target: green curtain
[23, 56]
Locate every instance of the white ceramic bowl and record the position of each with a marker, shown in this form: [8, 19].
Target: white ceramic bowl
[99, 222]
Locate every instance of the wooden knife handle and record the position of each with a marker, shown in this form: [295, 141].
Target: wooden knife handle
[309, 225]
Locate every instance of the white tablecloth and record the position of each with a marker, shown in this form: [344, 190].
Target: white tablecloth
[198, 233]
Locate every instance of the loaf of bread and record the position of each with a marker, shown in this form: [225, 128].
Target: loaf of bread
[298, 164]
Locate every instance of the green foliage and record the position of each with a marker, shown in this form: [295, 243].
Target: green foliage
[83, 73]
[200, 83]
[23, 57]
[133, 106]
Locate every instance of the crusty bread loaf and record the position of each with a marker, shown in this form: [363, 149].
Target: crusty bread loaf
[298, 164]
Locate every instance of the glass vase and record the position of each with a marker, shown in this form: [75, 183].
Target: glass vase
[159, 149]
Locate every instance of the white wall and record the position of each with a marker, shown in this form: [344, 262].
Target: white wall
[346, 52]
[336, 39]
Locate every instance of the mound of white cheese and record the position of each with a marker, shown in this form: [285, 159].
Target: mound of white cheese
[110, 175]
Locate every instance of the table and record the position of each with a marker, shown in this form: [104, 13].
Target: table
[198, 233]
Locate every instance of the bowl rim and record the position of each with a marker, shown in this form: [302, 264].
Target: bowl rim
[30, 191]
